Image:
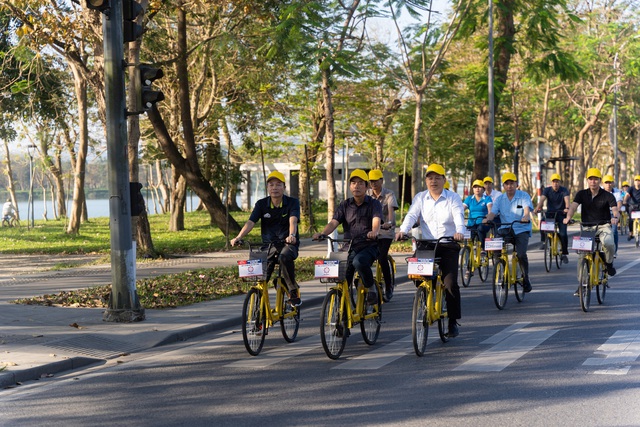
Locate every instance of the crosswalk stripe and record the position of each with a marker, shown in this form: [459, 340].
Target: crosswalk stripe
[621, 348]
[271, 357]
[381, 356]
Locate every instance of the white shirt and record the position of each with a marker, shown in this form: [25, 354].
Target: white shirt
[438, 218]
[7, 209]
[494, 194]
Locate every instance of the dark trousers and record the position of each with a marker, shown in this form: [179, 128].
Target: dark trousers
[521, 242]
[383, 252]
[361, 260]
[285, 256]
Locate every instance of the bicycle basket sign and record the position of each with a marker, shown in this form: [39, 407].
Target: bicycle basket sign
[467, 233]
[327, 269]
[583, 244]
[635, 214]
[547, 226]
[250, 268]
[494, 244]
[420, 266]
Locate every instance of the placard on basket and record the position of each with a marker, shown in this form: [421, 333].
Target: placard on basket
[493, 244]
[635, 214]
[420, 266]
[547, 226]
[250, 268]
[582, 243]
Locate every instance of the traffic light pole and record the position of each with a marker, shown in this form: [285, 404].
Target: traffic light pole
[124, 305]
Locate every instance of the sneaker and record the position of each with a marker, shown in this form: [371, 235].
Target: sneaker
[294, 298]
[611, 271]
[577, 293]
[372, 298]
[629, 237]
[526, 285]
[453, 329]
[388, 294]
[543, 246]
[564, 259]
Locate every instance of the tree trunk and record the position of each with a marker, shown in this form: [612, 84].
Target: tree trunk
[10, 183]
[329, 143]
[163, 187]
[416, 173]
[178, 201]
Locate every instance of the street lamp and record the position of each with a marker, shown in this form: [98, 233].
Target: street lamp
[30, 151]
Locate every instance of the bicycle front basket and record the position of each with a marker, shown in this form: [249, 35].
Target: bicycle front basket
[342, 258]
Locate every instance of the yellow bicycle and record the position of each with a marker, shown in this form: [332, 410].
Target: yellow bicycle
[379, 279]
[552, 247]
[473, 258]
[623, 226]
[429, 303]
[339, 314]
[592, 272]
[635, 215]
[507, 272]
[257, 314]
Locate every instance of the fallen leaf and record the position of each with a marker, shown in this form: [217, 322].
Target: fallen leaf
[75, 325]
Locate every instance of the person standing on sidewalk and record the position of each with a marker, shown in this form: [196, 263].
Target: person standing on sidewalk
[515, 205]
[632, 201]
[440, 213]
[557, 198]
[280, 215]
[387, 229]
[360, 216]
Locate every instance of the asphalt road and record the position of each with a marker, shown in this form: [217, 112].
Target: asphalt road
[541, 362]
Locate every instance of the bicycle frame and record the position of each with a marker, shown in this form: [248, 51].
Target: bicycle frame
[595, 271]
[506, 273]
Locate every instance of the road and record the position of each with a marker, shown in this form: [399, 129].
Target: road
[541, 362]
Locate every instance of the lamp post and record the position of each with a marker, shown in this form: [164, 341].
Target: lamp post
[30, 151]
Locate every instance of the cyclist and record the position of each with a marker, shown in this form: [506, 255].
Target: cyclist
[441, 213]
[607, 181]
[597, 206]
[632, 201]
[557, 198]
[515, 205]
[489, 190]
[387, 230]
[359, 215]
[280, 215]
[8, 211]
[479, 206]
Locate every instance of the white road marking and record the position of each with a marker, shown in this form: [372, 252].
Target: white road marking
[381, 356]
[621, 348]
[271, 357]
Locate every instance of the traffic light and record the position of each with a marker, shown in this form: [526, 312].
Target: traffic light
[99, 5]
[131, 9]
[148, 97]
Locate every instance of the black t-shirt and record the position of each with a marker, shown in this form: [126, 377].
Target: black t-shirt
[634, 196]
[357, 220]
[555, 201]
[596, 210]
[275, 219]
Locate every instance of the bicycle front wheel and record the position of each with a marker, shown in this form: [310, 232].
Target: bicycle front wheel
[484, 268]
[253, 322]
[333, 325]
[518, 286]
[548, 254]
[420, 321]
[585, 286]
[371, 320]
[289, 321]
[500, 286]
[465, 266]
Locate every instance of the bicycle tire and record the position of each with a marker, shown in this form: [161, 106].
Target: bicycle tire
[333, 325]
[371, 320]
[289, 320]
[518, 286]
[601, 288]
[558, 253]
[253, 322]
[585, 286]
[548, 253]
[484, 268]
[353, 289]
[465, 267]
[443, 321]
[500, 288]
[392, 270]
[420, 321]
[637, 239]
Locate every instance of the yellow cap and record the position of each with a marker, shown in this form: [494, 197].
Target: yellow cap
[625, 183]
[276, 175]
[477, 183]
[594, 172]
[435, 168]
[509, 176]
[375, 174]
[636, 178]
[555, 176]
[607, 178]
[359, 173]
[488, 179]
[446, 185]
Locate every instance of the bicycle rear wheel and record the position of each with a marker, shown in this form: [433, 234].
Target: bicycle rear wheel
[601, 288]
[371, 320]
[253, 322]
[548, 253]
[558, 253]
[289, 320]
[484, 268]
[333, 325]
[585, 287]
[392, 269]
[500, 287]
[465, 266]
[420, 321]
[518, 286]
[443, 321]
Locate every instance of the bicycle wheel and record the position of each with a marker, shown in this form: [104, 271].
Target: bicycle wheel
[518, 286]
[353, 290]
[601, 287]
[443, 321]
[253, 322]
[465, 266]
[289, 321]
[484, 268]
[392, 269]
[585, 287]
[371, 320]
[558, 251]
[420, 321]
[333, 325]
[500, 287]
[548, 253]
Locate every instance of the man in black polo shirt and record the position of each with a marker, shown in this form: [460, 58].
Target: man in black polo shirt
[632, 200]
[598, 205]
[280, 215]
[360, 216]
[557, 198]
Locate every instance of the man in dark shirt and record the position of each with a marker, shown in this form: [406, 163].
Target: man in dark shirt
[360, 216]
[280, 215]
[597, 208]
[557, 198]
[632, 200]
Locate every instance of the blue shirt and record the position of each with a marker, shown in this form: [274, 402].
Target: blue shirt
[555, 200]
[513, 210]
[477, 209]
